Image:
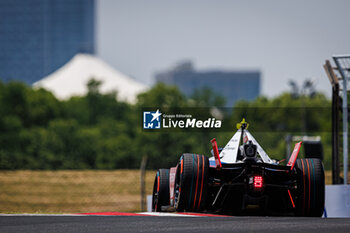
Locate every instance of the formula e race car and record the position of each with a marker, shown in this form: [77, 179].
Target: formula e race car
[239, 178]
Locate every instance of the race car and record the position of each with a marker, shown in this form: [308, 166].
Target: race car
[240, 178]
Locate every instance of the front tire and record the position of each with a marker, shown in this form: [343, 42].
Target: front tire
[191, 183]
[310, 188]
[161, 194]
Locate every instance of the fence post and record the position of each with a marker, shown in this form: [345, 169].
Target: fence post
[335, 121]
[143, 183]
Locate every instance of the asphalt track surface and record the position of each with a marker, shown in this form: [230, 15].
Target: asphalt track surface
[76, 224]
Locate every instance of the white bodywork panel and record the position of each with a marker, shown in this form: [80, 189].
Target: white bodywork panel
[230, 151]
[261, 151]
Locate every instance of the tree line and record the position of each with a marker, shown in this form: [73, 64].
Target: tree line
[99, 131]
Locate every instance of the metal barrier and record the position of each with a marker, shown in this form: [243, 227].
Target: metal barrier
[337, 203]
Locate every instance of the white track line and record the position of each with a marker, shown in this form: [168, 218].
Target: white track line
[164, 214]
[161, 214]
[84, 215]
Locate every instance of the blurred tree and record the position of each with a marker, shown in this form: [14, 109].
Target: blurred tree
[272, 119]
[43, 107]
[206, 97]
[14, 101]
[97, 131]
[162, 96]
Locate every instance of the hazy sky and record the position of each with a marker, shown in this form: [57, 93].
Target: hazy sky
[283, 39]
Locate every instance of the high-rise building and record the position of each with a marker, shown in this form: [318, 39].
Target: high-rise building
[39, 36]
[232, 85]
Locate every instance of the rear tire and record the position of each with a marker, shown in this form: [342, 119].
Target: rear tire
[310, 188]
[191, 183]
[161, 194]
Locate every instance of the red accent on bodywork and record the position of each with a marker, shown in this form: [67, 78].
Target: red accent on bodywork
[182, 166]
[245, 139]
[294, 155]
[216, 154]
[291, 199]
[158, 184]
[172, 174]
